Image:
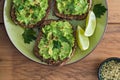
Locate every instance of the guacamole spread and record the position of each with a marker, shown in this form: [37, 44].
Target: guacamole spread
[30, 12]
[57, 41]
[72, 7]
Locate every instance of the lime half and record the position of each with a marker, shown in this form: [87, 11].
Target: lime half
[82, 40]
[90, 24]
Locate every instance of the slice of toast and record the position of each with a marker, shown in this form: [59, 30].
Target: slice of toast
[14, 18]
[69, 17]
[49, 61]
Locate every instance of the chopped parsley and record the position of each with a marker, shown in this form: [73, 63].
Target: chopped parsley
[99, 10]
[29, 35]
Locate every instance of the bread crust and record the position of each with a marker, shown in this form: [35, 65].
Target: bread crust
[69, 17]
[13, 17]
[49, 61]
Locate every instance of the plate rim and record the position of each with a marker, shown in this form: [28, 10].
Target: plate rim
[42, 63]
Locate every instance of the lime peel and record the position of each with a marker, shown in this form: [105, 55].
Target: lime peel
[82, 40]
[90, 24]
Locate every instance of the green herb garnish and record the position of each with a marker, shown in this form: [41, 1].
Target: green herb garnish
[29, 35]
[99, 10]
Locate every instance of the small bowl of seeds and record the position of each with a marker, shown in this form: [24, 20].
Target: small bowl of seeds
[109, 69]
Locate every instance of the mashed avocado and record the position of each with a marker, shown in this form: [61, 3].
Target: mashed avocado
[30, 11]
[57, 41]
[72, 7]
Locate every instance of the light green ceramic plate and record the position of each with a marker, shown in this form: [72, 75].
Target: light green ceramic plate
[15, 34]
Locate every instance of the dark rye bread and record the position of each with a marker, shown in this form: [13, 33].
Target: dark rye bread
[49, 61]
[69, 17]
[13, 16]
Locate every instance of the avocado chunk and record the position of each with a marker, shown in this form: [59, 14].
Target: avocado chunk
[29, 12]
[57, 41]
[72, 7]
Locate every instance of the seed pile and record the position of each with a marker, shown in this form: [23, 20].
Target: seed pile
[110, 71]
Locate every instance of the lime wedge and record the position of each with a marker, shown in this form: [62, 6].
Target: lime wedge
[90, 24]
[82, 40]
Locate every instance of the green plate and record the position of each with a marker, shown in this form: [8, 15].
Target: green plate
[15, 34]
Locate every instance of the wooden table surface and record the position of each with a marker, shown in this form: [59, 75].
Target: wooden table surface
[15, 66]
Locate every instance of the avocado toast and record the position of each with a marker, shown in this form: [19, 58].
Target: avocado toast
[72, 9]
[29, 13]
[55, 43]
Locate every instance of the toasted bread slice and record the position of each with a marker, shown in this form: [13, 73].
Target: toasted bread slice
[14, 17]
[69, 17]
[49, 61]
